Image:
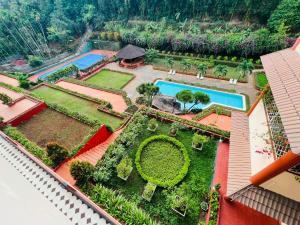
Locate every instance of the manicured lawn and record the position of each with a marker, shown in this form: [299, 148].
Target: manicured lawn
[196, 181]
[261, 80]
[162, 63]
[51, 126]
[76, 104]
[110, 79]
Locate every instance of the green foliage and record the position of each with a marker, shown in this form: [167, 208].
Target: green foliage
[202, 68]
[245, 68]
[30, 146]
[150, 55]
[68, 71]
[185, 96]
[162, 160]
[148, 91]
[115, 152]
[152, 124]
[124, 168]
[119, 207]
[286, 13]
[200, 98]
[261, 80]
[34, 61]
[212, 109]
[57, 153]
[6, 100]
[199, 139]
[220, 70]
[214, 206]
[1, 119]
[149, 191]
[82, 172]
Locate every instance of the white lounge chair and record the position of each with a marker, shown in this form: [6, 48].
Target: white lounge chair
[170, 72]
[174, 72]
[235, 81]
[198, 75]
[231, 81]
[201, 78]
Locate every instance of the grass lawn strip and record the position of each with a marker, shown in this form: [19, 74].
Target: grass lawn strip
[110, 79]
[76, 104]
[51, 126]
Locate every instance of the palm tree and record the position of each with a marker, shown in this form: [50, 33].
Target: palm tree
[170, 62]
[148, 90]
[220, 70]
[202, 69]
[245, 67]
[186, 64]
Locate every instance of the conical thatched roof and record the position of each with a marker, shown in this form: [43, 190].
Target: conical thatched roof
[130, 52]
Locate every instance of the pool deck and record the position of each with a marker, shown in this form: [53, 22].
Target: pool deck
[117, 101]
[109, 54]
[148, 74]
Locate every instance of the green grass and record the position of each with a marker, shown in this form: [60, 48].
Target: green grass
[261, 80]
[162, 63]
[76, 104]
[110, 79]
[161, 160]
[201, 165]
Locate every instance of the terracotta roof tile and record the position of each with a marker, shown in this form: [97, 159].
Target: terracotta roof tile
[239, 165]
[283, 72]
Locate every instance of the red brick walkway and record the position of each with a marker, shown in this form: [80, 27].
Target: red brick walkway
[117, 101]
[91, 156]
[234, 213]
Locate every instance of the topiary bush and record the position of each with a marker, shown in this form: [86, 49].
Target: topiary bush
[82, 172]
[124, 168]
[6, 100]
[57, 153]
[162, 160]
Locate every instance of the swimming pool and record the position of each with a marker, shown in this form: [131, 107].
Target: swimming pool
[82, 63]
[232, 100]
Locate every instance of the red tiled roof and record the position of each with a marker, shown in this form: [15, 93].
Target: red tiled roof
[239, 165]
[283, 72]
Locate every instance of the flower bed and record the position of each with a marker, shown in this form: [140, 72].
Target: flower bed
[162, 160]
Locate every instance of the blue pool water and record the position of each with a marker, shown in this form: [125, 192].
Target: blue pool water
[82, 63]
[232, 100]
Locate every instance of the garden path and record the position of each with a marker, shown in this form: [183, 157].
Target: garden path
[148, 74]
[92, 156]
[234, 213]
[117, 101]
[9, 80]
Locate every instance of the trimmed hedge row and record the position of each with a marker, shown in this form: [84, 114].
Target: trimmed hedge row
[111, 90]
[171, 117]
[116, 151]
[118, 206]
[16, 89]
[183, 171]
[33, 148]
[212, 109]
[65, 72]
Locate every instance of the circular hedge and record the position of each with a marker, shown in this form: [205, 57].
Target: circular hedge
[162, 160]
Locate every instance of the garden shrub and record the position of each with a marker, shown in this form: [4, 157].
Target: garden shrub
[167, 177]
[35, 61]
[68, 71]
[198, 140]
[33, 148]
[149, 191]
[119, 207]
[57, 153]
[6, 100]
[214, 206]
[212, 109]
[124, 168]
[116, 151]
[82, 172]
[152, 124]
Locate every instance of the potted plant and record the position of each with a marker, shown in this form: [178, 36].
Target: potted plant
[173, 129]
[199, 141]
[124, 168]
[149, 191]
[179, 205]
[152, 125]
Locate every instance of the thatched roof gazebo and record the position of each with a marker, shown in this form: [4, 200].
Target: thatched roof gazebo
[131, 56]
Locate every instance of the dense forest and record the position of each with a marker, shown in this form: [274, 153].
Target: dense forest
[27, 27]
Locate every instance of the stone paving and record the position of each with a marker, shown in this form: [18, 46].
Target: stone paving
[148, 74]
